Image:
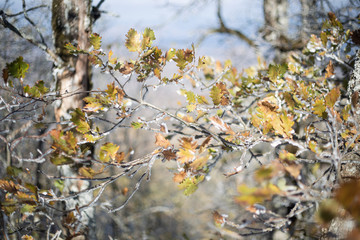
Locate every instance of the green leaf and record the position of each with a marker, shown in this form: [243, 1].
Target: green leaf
[252, 195]
[190, 97]
[59, 184]
[133, 40]
[136, 125]
[78, 118]
[183, 57]
[108, 151]
[13, 171]
[91, 138]
[95, 41]
[215, 95]
[64, 142]
[36, 91]
[276, 71]
[324, 39]
[191, 107]
[264, 173]
[26, 208]
[87, 172]
[17, 68]
[61, 160]
[190, 184]
[170, 54]
[148, 38]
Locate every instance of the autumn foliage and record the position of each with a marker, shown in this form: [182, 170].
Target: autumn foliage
[293, 124]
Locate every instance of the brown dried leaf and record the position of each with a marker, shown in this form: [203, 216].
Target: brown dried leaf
[127, 68]
[204, 144]
[218, 218]
[169, 154]
[329, 70]
[9, 186]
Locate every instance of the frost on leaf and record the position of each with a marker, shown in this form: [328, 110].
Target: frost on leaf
[9, 186]
[221, 125]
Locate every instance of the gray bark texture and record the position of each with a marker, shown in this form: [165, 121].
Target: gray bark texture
[71, 23]
[277, 25]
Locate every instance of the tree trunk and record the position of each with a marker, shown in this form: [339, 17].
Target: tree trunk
[71, 22]
[276, 27]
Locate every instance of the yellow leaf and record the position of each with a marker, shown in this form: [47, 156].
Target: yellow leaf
[185, 155]
[332, 97]
[199, 162]
[319, 108]
[111, 59]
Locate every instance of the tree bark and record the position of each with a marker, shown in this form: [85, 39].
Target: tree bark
[71, 23]
[276, 27]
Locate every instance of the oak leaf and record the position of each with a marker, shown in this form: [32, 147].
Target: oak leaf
[161, 141]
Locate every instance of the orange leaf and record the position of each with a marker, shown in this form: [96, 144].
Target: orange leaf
[9, 186]
[179, 177]
[187, 143]
[161, 141]
[124, 191]
[220, 124]
[218, 218]
[329, 70]
[199, 162]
